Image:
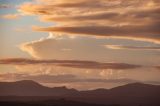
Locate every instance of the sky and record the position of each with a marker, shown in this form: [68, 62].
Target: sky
[82, 44]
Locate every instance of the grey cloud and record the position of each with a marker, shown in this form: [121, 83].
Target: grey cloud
[3, 6]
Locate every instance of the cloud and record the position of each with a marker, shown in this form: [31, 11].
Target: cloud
[109, 18]
[132, 47]
[4, 6]
[68, 63]
[10, 16]
[89, 6]
[148, 33]
[65, 49]
[137, 20]
[158, 67]
[67, 78]
[62, 47]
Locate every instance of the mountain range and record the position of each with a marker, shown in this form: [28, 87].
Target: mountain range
[128, 95]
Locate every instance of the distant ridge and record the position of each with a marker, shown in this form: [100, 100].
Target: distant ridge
[134, 93]
[31, 88]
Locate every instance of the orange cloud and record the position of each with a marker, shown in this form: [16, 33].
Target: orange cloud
[143, 32]
[11, 16]
[138, 19]
[66, 78]
[132, 47]
[69, 63]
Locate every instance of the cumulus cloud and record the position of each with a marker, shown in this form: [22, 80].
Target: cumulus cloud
[138, 19]
[68, 63]
[132, 47]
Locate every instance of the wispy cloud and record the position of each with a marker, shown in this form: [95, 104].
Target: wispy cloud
[132, 47]
[10, 16]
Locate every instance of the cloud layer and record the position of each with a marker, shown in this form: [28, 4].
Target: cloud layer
[70, 80]
[68, 63]
[67, 78]
[132, 47]
[138, 19]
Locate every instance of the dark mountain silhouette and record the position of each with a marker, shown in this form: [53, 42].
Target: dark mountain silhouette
[31, 88]
[135, 93]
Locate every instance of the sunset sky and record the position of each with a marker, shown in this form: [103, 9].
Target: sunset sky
[82, 44]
